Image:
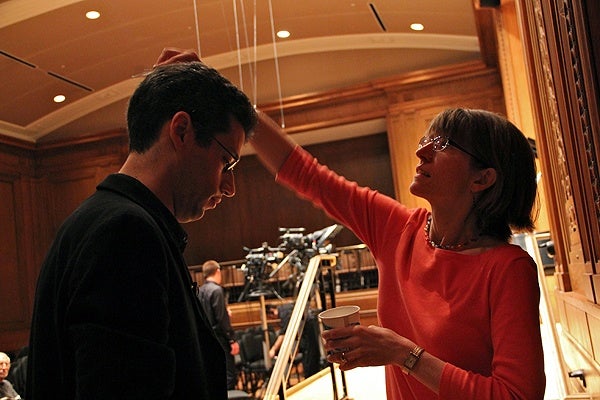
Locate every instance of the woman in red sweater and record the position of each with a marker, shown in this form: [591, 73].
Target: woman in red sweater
[458, 304]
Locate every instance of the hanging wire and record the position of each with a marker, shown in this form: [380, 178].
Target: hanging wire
[247, 47]
[255, 61]
[276, 64]
[237, 41]
[197, 30]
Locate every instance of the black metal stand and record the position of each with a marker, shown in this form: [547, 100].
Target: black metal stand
[331, 287]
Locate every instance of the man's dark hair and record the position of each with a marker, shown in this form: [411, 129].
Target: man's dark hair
[209, 98]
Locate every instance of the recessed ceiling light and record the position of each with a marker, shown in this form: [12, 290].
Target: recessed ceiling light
[92, 15]
[59, 98]
[417, 27]
[283, 34]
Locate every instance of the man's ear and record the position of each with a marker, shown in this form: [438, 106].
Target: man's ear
[486, 178]
[180, 126]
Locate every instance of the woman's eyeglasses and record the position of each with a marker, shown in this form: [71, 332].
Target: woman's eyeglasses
[441, 142]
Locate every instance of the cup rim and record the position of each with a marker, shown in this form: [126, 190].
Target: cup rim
[352, 309]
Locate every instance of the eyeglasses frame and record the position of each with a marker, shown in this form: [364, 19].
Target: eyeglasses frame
[425, 140]
[236, 159]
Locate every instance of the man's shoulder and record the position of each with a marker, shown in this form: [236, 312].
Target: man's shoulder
[210, 287]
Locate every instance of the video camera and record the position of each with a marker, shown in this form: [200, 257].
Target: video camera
[264, 262]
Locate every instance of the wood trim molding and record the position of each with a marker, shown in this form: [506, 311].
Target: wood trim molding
[558, 43]
[486, 32]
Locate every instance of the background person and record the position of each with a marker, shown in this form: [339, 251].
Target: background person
[115, 312]
[212, 298]
[18, 371]
[449, 281]
[6, 389]
[310, 346]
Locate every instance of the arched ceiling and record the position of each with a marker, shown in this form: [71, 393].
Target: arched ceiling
[50, 47]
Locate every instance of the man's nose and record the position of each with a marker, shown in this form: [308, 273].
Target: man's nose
[228, 184]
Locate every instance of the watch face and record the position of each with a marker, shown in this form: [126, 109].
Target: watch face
[410, 361]
[413, 357]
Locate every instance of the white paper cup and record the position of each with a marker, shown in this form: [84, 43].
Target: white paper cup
[339, 317]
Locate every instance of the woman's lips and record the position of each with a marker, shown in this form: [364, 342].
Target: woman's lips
[421, 171]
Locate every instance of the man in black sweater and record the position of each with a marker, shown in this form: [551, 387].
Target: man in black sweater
[116, 314]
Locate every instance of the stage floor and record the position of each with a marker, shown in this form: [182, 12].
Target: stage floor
[361, 384]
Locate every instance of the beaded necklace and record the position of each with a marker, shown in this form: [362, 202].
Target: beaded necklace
[439, 245]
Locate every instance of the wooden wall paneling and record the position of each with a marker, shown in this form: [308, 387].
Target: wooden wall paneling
[16, 169]
[517, 95]
[339, 107]
[511, 64]
[578, 339]
[38, 190]
[43, 221]
[66, 175]
[573, 109]
[110, 149]
[551, 149]
[566, 38]
[404, 132]
[594, 330]
[554, 38]
[486, 34]
[66, 191]
[576, 323]
[541, 44]
[573, 356]
[27, 237]
[580, 34]
[13, 305]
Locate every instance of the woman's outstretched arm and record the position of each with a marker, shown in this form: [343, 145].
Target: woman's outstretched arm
[272, 144]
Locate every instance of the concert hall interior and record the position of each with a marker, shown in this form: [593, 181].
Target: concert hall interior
[354, 83]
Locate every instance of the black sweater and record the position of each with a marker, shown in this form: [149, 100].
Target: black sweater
[115, 315]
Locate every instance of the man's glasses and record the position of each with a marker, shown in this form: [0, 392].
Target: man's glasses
[441, 142]
[231, 164]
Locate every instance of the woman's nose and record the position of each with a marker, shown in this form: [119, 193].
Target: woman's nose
[425, 152]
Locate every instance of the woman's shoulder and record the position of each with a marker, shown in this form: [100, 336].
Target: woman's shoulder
[509, 256]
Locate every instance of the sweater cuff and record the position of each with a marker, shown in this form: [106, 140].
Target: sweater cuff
[295, 158]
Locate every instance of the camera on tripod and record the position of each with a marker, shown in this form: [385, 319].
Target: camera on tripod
[259, 261]
[263, 263]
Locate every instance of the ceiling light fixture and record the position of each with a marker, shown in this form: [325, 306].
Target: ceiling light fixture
[417, 27]
[92, 15]
[59, 98]
[283, 34]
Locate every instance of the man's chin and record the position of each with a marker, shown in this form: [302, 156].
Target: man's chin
[191, 218]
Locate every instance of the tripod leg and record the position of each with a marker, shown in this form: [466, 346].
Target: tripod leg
[246, 290]
[333, 381]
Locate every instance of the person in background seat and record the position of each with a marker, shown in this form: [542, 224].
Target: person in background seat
[6, 389]
[310, 345]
